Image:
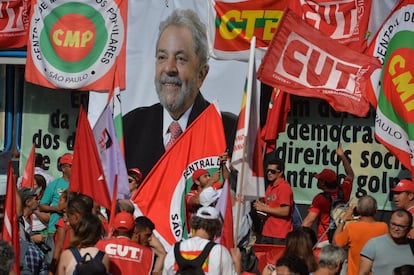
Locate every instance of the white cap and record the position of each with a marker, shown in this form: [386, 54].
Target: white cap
[208, 213]
[209, 195]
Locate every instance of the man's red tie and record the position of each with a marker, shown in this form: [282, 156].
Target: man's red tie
[175, 131]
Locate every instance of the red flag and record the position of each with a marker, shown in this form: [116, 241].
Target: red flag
[14, 22]
[345, 21]
[303, 61]
[279, 107]
[225, 207]
[113, 207]
[10, 225]
[161, 196]
[87, 175]
[28, 175]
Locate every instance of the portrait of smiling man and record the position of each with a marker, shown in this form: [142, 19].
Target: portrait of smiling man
[181, 67]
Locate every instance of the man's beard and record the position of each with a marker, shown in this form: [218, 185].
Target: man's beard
[179, 98]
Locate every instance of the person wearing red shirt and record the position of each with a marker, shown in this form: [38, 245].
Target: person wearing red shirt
[320, 208]
[277, 205]
[125, 255]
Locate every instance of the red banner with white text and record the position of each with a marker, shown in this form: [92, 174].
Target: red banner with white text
[14, 21]
[303, 61]
[345, 21]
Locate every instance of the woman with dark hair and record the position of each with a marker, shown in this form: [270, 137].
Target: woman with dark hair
[85, 235]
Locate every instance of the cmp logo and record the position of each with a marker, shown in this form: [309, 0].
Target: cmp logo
[74, 44]
[398, 69]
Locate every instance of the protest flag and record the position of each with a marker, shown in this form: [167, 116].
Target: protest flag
[10, 224]
[113, 162]
[392, 86]
[161, 196]
[303, 61]
[28, 175]
[87, 175]
[279, 107]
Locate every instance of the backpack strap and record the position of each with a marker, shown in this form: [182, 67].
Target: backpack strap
[197, 262]
[76, 254]
[99, 256]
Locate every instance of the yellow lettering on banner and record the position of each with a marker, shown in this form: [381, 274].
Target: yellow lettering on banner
[71, 38]
[224, 31]
[402, 81]
[250, 17]
[271, 25]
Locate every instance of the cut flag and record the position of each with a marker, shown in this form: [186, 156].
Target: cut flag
[112, 160]
[161, 196]
[345, 21]
[303, 61]
[279, 107]
[29, 170]
[392, 93]
[10, 224]
[247, 156]
[87, 175]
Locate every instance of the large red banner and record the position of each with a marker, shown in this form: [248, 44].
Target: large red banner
[303, 61]
[345, 20]
[14, 20]
[233, 24]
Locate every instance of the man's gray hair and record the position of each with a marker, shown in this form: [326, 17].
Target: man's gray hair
[331, 256]
[189, 19]
[367, 206]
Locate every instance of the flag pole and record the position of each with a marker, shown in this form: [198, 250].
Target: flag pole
[246, 123]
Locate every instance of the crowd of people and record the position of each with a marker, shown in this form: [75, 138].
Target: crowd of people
[58, 227]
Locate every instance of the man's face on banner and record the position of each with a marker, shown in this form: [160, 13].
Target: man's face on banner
[178, 75]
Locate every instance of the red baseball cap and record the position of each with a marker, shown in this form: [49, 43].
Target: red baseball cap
[198, 173]
[404, 186]
[66, 159]
[124, 222]
[328, 175]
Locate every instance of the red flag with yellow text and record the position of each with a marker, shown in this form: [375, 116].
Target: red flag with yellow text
[232, 24]
[87, 175]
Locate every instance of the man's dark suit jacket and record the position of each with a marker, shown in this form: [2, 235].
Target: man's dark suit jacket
[143, 135]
